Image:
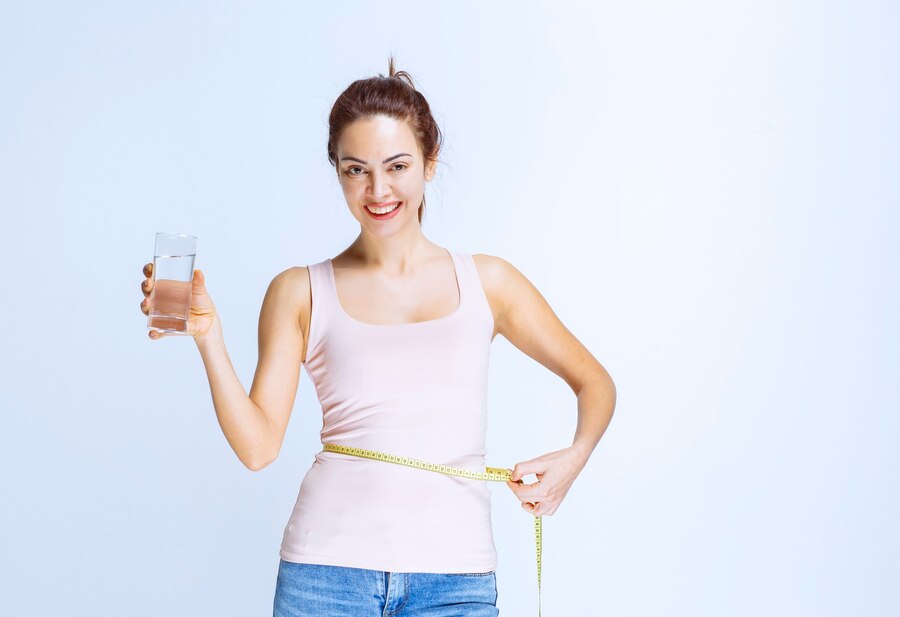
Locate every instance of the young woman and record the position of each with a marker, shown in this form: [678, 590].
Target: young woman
[395, 334]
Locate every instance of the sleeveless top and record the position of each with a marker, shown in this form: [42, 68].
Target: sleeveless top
[414, 389]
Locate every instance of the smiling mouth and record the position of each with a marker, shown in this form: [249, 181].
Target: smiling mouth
[385, 208]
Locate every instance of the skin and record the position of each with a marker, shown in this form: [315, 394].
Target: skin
[392, 273]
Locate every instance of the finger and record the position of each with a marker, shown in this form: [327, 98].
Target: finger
[525, 492]
[145, 306]
[513, 475]
[156, 335]
[514, 486]
[148, 269]
[146, 285]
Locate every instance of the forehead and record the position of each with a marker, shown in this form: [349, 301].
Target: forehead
[376, 136]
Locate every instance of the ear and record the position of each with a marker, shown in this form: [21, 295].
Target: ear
[430, 168]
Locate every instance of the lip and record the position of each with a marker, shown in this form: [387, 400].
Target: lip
[389, 215]
[383, 204]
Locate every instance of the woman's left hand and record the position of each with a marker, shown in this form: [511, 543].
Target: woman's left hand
[555, 471]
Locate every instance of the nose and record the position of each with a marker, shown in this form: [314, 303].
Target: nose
[380, 186]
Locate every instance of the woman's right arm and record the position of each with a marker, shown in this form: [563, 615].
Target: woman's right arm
[254, 425]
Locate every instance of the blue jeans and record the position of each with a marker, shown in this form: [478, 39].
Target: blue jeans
[314, 590]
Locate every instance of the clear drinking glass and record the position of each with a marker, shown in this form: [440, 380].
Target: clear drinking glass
[173, 271]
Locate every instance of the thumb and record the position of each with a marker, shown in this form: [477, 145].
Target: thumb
[200, 299]
[522, 469]
[199, 281]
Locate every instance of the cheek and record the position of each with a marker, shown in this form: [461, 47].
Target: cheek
[411, 185]
[352, 191]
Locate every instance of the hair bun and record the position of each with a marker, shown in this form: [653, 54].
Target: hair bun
[402, 75]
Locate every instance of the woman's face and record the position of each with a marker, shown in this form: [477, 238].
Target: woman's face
[379, 163]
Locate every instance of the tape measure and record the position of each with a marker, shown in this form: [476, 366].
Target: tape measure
[491, 474]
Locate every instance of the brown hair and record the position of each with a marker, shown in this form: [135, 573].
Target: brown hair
[394, 96]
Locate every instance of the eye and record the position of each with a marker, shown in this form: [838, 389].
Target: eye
[349, 170]
[401, 165]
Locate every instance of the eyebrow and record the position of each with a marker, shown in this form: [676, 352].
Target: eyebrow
[387, 160]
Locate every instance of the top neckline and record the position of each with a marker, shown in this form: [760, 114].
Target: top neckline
[456, 311]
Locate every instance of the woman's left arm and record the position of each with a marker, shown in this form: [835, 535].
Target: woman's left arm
[525, 319]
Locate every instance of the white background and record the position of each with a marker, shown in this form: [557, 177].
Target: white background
[705, 192]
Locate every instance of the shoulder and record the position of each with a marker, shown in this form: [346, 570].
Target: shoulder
[290, 291]
[287, 281]
[491, 268]
[496, 272]
[504, 285]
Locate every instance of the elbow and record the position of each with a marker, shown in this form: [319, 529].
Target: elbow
[256, 466]
[262, 455]
[259, 464]
[601, 379]
[607, 379]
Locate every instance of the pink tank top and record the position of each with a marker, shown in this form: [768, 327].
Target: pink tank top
[417, 390]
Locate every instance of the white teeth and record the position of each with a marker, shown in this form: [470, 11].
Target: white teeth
[384, 210]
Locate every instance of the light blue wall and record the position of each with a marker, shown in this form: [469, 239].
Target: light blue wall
[705, 192]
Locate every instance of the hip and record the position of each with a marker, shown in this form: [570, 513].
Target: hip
[323, 590]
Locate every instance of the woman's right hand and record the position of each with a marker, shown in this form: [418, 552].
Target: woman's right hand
[202, 312]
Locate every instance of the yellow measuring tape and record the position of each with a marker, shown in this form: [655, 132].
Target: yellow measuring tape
[492, 474]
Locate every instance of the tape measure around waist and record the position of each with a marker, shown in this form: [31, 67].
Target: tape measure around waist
[491, 474]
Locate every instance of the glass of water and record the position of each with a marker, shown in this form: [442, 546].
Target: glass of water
[173, 272]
